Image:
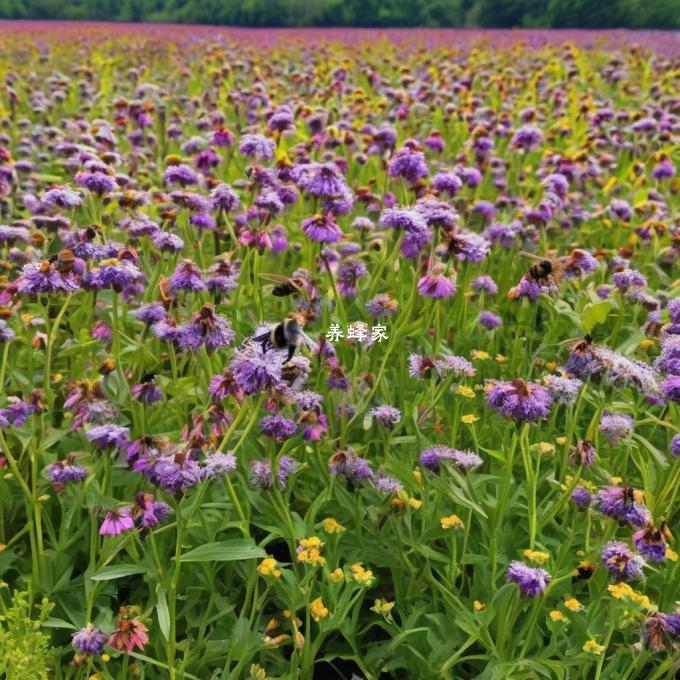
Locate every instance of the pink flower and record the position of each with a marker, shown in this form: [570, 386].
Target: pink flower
[116, 522]
[130, 633]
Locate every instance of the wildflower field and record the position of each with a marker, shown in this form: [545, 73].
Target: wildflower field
[338, 359]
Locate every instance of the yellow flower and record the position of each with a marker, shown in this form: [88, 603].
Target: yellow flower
[299, 640]
[615, 480]
[646, 344]
[257, 672]
[382, 606]
[414, 503]
[593, 648]
[620, 590]
[469, 418]
[331, 526]
[551, 365]
[336, 575]
[465, 391]
[500, 359]
[105, 658]
[318, 609]
[536, 556]
[561, 440]
[480, 354]
[452, 522]
[362, 576]
[546, 447]
[478, 606]
[309, 551]
[556, 615]
[671, 555]
[572, 604]
[268, 567]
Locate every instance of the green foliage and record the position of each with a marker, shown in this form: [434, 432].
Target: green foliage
[24, 649]
[429, 13]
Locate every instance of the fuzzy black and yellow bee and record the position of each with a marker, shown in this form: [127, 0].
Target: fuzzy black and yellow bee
[583, 571]
[286, 335]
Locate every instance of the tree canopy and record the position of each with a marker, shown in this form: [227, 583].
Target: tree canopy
[382, 13]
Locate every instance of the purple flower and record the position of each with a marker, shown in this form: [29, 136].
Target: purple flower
[320, 179]
[409, 164]
[434, 455]
[89, 640]
[261, 472]
[673, 307]
[116, 522]
[675, 446]
[519, 400]
[61, 197]
[109, 437]
[258, 147]
[489, 320]
[151, 313]
[581, 496]
[277, 427]
[177, 473]
[405, 219]
[167, 241]
[255, 371]
[346, 463]
[437, 285]
[484, 284]
[469, 247]
[584, 453]
[218, 465]
[621, 209]
[6, 333]
[386, 415]
[651, 543]
[668, 360]
[181, 174]
[148, 511]
[64, 472]
[97, 182]
[321, 229]
[382, 305]
[615, 425]
[527, 138]
[629, 278]
[207, 328]
[661, 629]
[223, 197]
[447, 183]
[45, 278]
[147, 392]
[563, 390]
[621, 562]
[187, 277]
[385, 484]
[623, 504]
[531, 581]
[670, 388]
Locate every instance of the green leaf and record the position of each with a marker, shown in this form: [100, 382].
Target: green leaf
[595, 313]
[58, 623]
[225, 551]
[163, 611]
[118, 571]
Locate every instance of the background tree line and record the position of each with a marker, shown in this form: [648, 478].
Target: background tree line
[383, 13]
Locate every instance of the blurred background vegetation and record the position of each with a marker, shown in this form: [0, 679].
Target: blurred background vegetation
[383, 13]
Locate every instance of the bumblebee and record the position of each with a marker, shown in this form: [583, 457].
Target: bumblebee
[541, 271]
[285, 335]
[583, 571]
